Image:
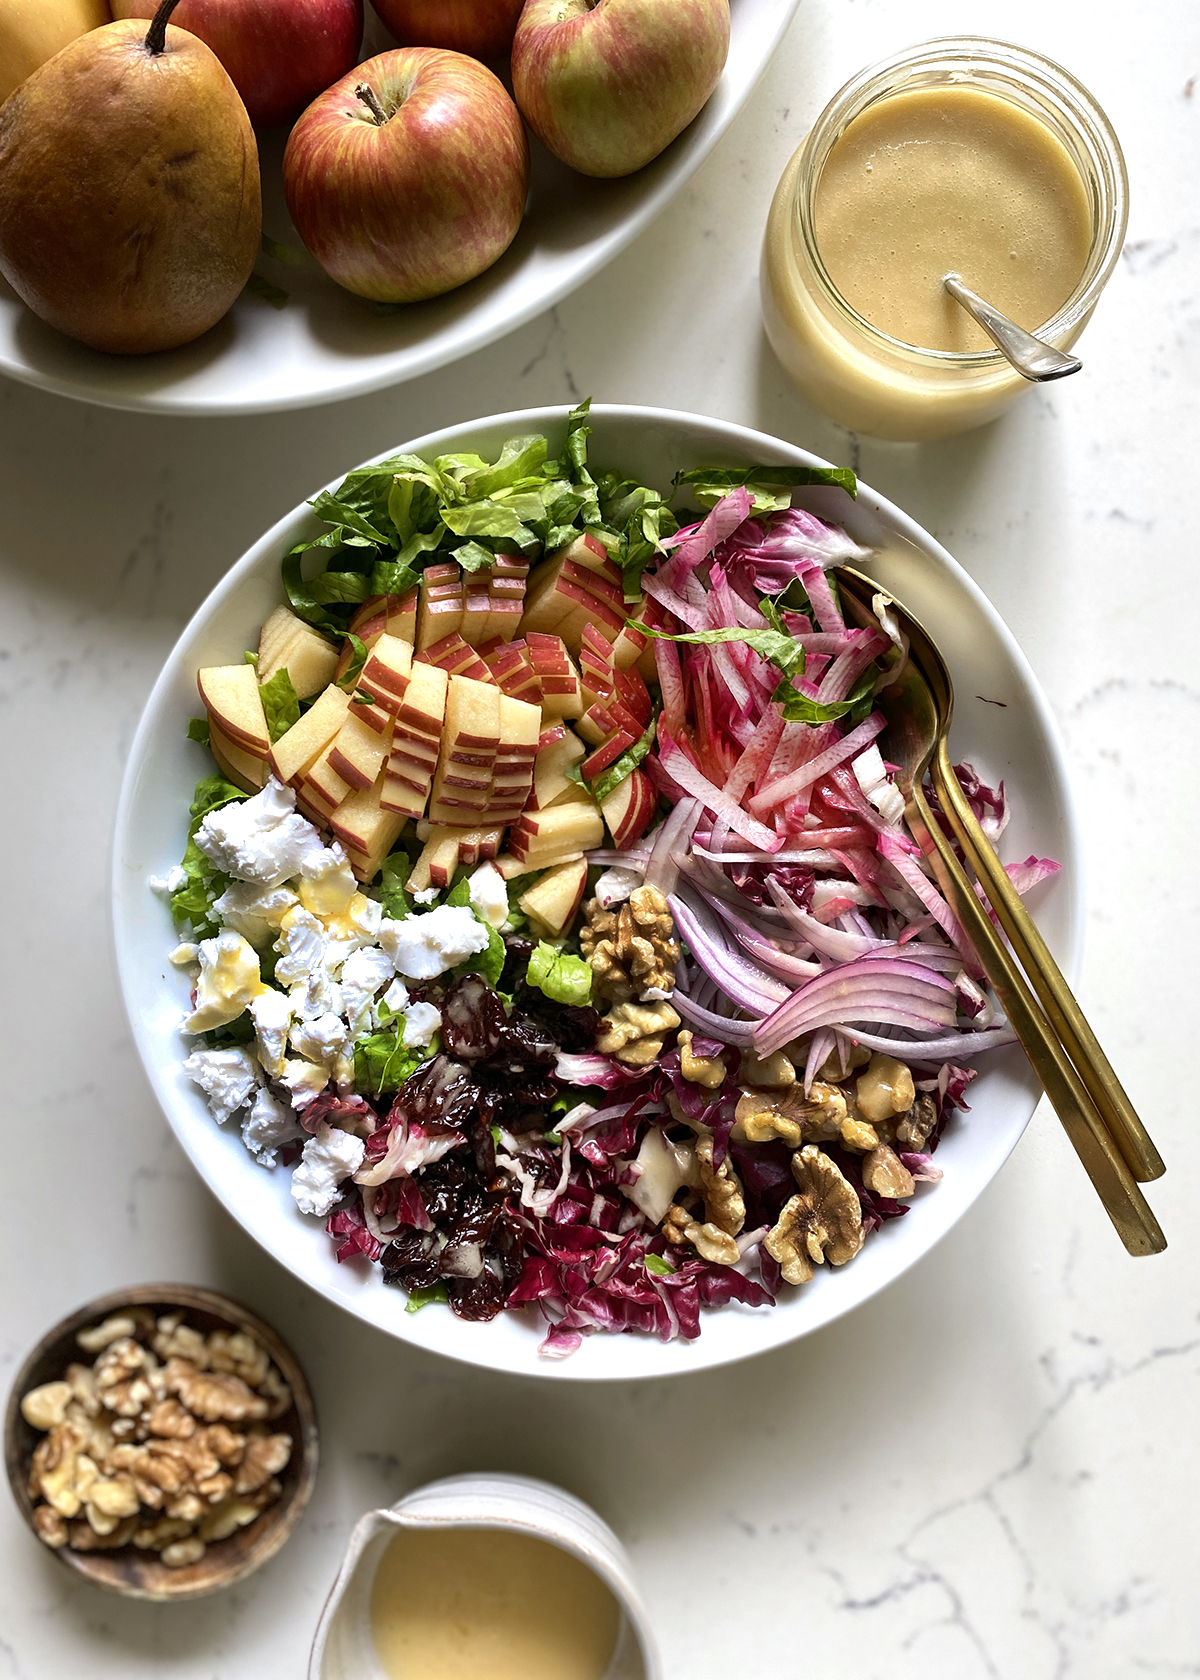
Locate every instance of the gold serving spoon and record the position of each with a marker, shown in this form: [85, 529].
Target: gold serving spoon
[1099, 1119]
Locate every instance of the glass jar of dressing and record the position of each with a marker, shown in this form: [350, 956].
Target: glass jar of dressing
[959, 155]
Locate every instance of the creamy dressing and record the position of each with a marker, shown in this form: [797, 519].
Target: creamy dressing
[951, 179]
[483, 1604]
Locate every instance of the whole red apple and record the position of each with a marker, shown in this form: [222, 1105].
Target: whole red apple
[409, 176]
[279, 53]
[607, 84]
[483, 28]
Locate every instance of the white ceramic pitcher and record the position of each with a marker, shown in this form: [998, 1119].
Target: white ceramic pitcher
[343, 1648]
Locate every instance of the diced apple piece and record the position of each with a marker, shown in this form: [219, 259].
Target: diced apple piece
[629, 809]
[424, 707]
[473, 843]
[310, 660]
[436, 865]
[632, 688]
[387, 672]
[250, 774]
[358, 752]
[550, 781]
[405, 794]
[510, 867]
[457, 658]
[275, 634]
[551, 903]
[230, 695]
[477, 602]
[561, 828]
[441, 605]
[608, 753]
[366, 830]
[368, 624]
[372, 713]
[321, 790]
[296, 749]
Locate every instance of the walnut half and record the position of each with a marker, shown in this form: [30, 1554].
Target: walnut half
[633, 1032]
[632, 950]
[823, 1221]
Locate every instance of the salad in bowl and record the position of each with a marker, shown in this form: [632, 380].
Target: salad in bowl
[547, 920]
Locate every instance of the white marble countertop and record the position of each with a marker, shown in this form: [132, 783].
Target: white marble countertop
[990, 1470]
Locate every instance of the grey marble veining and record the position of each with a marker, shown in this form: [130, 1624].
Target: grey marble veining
[988, 1473]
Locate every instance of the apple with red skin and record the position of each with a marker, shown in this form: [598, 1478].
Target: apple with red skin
[606, 85]
[279, 54]
[482, 28]
[409, 176]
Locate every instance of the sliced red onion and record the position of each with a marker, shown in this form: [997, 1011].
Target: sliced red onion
[749, 986]
[775, 961]
[831, 942]
[931, 1049]
[661, 871]
[824, 1041]
[739, 1033]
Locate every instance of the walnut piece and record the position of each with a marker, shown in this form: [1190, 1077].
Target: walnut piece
[885, 1088]
[831, 1068]
[706, 1071]
[100, 1335]
[634, 1031]
[176, 1340]
[54, 1468]
[790, 1115]
[885, 1173]
[168, 1418]
[675, 1223]
[632, 950]
[912, 1129]
[724, 1204]
[43, 1407]
[858, 1136]
[767, 1073]
[822, 1222]
[236, 1352]
[182, 1552]
[712, 1243]
[265, 1457]
[213, 1395]
[50, 1526]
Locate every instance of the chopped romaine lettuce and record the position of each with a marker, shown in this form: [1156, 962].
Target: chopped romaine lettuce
[564, 978]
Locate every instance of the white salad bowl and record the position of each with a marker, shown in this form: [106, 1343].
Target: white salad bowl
[343, 1648]
[324, 344]
[1002, 724]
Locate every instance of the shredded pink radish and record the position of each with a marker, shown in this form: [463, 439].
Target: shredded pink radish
[808, 773]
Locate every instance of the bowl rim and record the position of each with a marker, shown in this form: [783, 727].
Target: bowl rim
[736, 439]
[285, 1513]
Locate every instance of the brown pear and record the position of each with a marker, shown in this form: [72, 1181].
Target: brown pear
[130, 205]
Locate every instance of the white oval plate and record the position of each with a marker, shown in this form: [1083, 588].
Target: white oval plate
[1002, 724]
[326, 344]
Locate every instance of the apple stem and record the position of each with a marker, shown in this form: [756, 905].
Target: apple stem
[156, 35]
[371, 100]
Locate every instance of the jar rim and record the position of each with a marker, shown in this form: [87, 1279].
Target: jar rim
[1054, 92]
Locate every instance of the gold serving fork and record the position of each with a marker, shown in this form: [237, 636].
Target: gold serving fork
[1107, 1135]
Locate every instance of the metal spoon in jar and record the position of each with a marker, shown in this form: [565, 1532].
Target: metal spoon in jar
[1032, 357]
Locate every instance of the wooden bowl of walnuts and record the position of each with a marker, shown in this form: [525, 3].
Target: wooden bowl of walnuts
[162, 1441]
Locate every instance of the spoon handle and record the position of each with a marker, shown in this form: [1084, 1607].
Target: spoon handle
[1123, 1201]
[1064, 1013]
[1032, 357]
